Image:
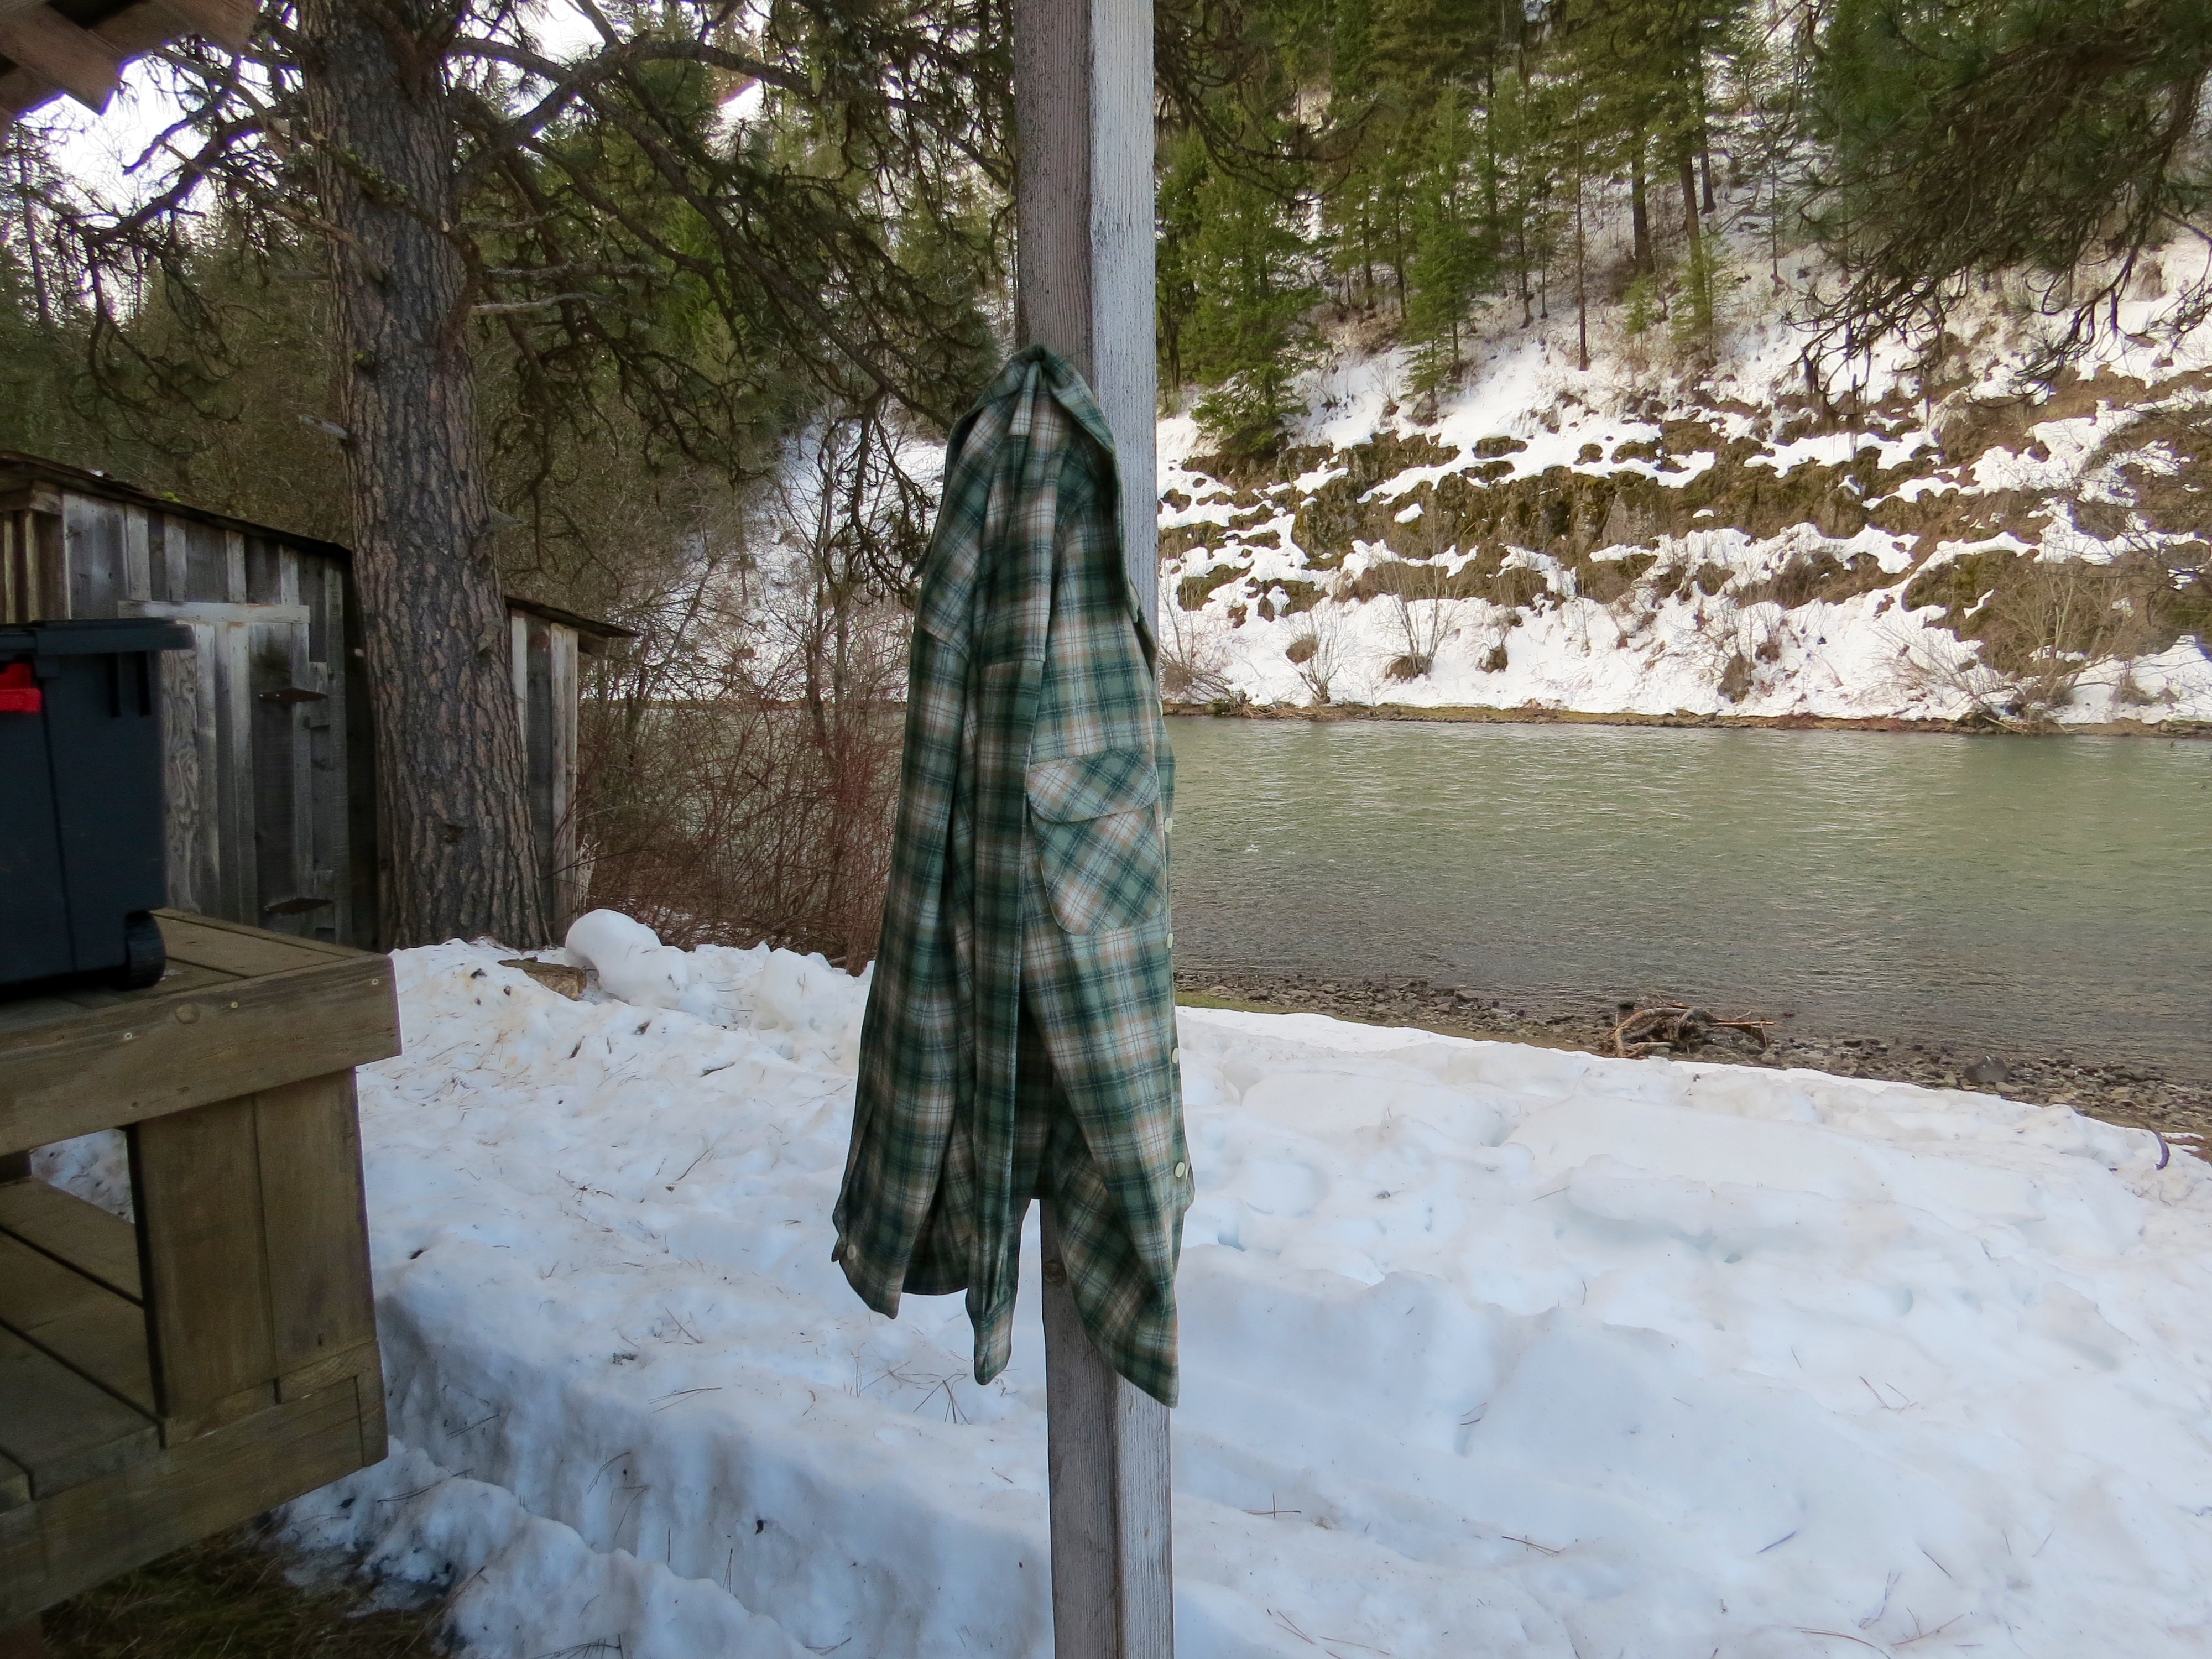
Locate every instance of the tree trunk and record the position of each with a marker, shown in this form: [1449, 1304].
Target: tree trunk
[456, 853]
[1686, 163]
[1639, 214]
[1582, 294]
[1704, 131]
[40, 297]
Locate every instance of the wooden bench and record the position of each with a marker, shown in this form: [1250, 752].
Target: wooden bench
[161, 1381]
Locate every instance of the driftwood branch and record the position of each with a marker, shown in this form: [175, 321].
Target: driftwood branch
[1675, 1024]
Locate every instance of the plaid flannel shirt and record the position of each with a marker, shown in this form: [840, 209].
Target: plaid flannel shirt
[1019, 1039]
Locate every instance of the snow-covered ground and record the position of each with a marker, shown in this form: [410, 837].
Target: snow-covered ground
[1487, 1350]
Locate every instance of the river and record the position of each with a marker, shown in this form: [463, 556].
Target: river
[2016, 894]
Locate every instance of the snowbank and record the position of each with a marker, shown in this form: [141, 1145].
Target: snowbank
[1488, 1350]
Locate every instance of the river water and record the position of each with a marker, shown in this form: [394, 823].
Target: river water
[2011, 893]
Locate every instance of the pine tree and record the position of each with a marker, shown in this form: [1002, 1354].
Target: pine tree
[1450, 258]
[1251, 274]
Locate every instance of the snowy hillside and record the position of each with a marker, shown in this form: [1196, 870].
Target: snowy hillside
[1628, 541]
[1487, 1350]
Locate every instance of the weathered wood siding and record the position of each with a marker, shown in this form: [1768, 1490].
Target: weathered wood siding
[545, 692]
[270, 767]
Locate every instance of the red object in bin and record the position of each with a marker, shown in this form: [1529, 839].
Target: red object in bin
[19, 692]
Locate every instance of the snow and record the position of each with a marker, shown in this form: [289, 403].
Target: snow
[95, 1167]
[1487, 1349]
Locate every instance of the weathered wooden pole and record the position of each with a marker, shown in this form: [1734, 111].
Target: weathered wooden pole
[1083, 102]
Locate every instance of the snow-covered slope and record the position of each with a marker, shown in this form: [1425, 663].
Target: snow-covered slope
[1625, 541]
[1488, 1350]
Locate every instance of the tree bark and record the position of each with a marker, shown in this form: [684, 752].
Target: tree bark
[1582, 293]
[455, 850]
[1704, 131]
[1639, 213]
[40, 296]
[1686, 166]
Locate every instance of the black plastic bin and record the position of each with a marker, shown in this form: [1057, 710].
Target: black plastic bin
[81, 823]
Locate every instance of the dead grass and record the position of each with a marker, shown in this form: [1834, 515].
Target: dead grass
[230, 1598]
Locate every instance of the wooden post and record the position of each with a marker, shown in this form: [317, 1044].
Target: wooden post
[1083, 102]
[1112, 1571]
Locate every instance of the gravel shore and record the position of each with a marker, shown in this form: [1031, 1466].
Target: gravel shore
[2180, 1110]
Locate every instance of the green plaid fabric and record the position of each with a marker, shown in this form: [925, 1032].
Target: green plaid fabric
[1019, 1039]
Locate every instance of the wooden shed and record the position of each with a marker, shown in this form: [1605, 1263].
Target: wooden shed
[272, 752]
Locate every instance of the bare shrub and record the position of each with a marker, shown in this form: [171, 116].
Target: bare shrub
[740, 764]
[1735, 681]
[1933, 661]
[1486, 631]
[2028, 642]
[1732, 640]
[1316, 651]
[1194, 658]
[1420, 605]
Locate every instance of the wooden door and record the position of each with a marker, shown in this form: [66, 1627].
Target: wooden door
[256, 827]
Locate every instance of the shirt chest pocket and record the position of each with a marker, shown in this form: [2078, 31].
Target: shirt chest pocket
[1095, 820]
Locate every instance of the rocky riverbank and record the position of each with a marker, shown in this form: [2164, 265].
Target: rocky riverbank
[2179, 1109]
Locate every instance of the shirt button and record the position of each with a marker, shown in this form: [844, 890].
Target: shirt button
[1175, 1057]
[1182, 1169]
[1171, 941]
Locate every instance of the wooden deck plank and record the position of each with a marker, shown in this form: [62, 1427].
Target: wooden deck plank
[59, 1428]
[314, 1221]
[64, 1226]
[220, 925]
[79, 1320]
[108, 1068]
[66, 1543]
[178, 977]
[197, 1178]
[15, 1483]
[26, 1014]
[247, 953]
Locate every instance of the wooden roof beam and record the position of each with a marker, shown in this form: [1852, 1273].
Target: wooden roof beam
[79, 62]
[130, 34]
[228, 23]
